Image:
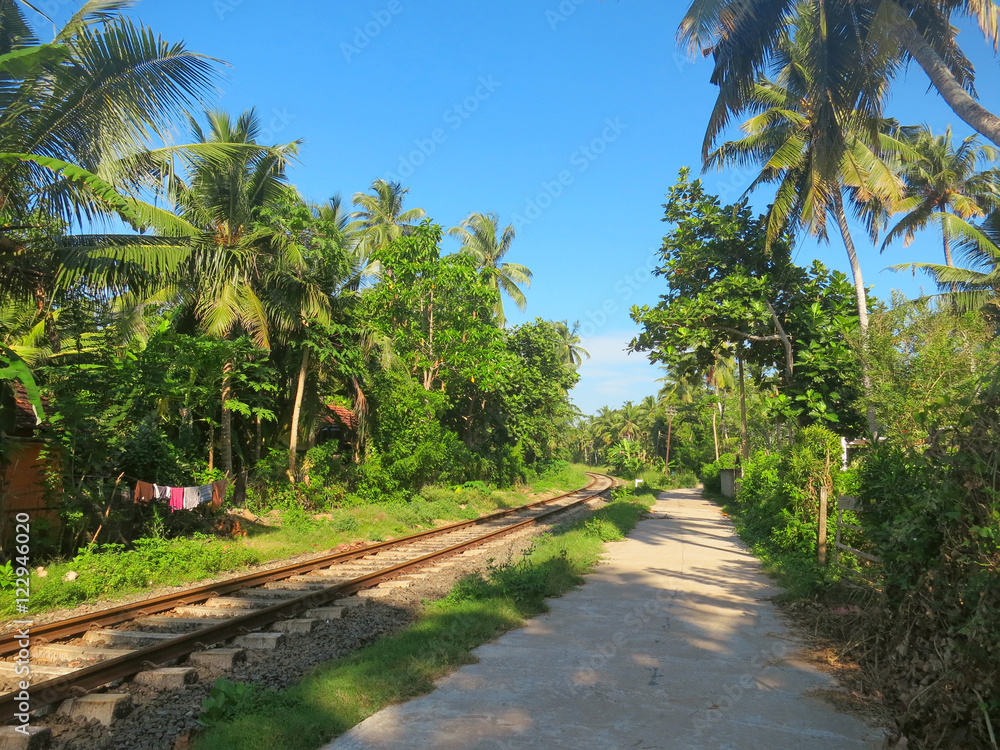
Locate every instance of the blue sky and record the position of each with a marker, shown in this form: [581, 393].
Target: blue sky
[570, 119]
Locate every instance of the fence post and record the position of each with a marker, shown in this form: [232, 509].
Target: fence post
[821, 532]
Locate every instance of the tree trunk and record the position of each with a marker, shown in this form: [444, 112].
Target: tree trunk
[293, 440]
[745, 446]
[211, 445]
[715, 434]
[258, 441]
[226, 423]
[947, 251]
[964, 105]
[786, 343]
[862, 300]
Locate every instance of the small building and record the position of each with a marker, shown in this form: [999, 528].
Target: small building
[336, 423]
[24, 459]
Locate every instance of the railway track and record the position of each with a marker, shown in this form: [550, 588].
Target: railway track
[253, 611]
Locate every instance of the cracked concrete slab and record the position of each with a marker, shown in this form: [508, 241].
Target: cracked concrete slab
[672, 643]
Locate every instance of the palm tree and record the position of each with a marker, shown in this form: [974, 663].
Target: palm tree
[977, 284]
[76, 118]
[478, 234]
[789, 135]
[380, 217]
[944, 186]
[321, 272]
[236, 254]
[568, 343]
[744, 36]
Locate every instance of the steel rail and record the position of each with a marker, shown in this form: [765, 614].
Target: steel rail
[88, 678]
[116, 615]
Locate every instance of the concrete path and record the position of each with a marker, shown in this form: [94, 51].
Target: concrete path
[672, 643]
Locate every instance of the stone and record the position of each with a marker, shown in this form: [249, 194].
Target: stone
[124, 638]
[104, 708]
[33, 738]
[304, 625]
[375, 593]
[70, 576]
[350, 601]
[168, 677]
[218, 658]
[326, 613]
[260, 641]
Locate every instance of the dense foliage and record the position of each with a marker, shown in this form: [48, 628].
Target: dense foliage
[314, 356]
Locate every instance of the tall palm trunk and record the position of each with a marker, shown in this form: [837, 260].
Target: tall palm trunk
[744, 439]
[293, 441]
[862, 300]
[226, 422]
[947, 250]
[964, 105]
[715, 434]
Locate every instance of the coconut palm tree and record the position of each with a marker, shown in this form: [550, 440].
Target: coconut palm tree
[568, 343]
[788, 135]
[976, 284]
[945, 186]
[76, 120]
[481, 238]
[380, 217]
[237, 257]
[744, 35]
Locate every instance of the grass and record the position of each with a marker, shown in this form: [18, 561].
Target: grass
[112, 571]
[336, 696]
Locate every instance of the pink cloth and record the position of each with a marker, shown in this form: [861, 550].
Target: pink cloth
[176, 498]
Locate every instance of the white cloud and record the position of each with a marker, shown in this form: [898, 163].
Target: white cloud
[612, 376]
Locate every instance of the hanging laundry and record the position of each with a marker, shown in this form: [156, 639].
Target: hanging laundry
[143, 492]
[190, 498]
[176, 498]
[204, 494]
[219, 493]
[161, 492]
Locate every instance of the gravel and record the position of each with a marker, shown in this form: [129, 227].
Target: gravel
[164, 720]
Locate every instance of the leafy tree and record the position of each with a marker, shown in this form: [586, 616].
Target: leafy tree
[224, 282]
[727, 292]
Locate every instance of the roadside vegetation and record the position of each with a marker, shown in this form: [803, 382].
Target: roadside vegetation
[112, 570]
[338, 695]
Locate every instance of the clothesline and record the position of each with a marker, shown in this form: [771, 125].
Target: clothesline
[182, 498]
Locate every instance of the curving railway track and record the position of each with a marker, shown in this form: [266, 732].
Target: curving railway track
[254, 610]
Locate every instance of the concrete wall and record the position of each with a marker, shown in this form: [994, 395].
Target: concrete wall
[728, 477]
